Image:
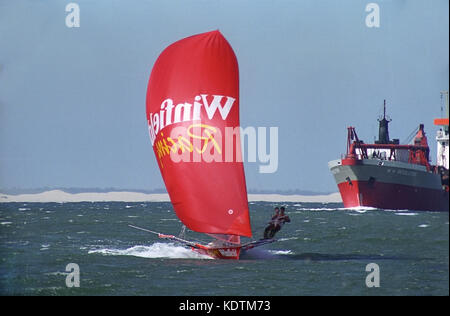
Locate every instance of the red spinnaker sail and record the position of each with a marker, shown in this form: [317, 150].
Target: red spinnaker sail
[192, 103]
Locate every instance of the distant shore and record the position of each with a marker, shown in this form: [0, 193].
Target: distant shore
[61, 197]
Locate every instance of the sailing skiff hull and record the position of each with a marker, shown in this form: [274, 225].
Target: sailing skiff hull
[225, 252]
[230, 252]
[219, 253]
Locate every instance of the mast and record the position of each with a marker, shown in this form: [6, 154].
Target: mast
[442, 137]
[443, 121]
[383, 129]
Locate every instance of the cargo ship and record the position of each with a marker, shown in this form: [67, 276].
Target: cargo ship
[390, 175]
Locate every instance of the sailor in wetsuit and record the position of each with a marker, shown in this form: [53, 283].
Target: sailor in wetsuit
[278, 220]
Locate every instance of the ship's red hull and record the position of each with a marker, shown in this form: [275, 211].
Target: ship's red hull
[389, 185]
[393, 196]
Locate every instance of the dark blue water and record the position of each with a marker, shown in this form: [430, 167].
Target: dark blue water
[323, 251]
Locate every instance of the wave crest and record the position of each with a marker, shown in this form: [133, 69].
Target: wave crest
[156, 250]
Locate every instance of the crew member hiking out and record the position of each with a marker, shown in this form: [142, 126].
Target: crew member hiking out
[278, 220]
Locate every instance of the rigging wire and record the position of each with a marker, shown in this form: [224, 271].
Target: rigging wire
[410, 137]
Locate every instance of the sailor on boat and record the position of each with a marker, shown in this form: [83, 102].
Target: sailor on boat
[278, 220]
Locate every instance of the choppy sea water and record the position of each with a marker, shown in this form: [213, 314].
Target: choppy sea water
[323, 251]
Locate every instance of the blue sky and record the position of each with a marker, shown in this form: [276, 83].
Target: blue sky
[72, 100]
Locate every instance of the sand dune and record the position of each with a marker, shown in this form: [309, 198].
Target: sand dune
[330, 198]
[61, 196]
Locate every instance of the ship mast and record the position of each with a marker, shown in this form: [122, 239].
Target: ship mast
[442, 138]
[445, 126]
[383, 129]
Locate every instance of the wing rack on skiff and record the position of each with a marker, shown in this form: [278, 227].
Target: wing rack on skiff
[170, 237]
[246, 246]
